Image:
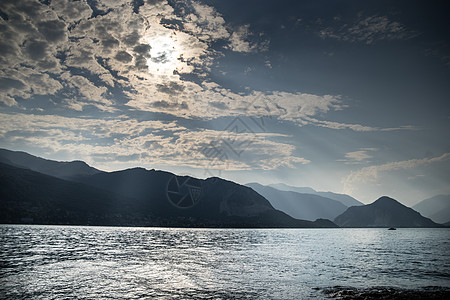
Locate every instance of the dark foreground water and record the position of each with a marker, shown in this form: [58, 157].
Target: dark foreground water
[57, 262]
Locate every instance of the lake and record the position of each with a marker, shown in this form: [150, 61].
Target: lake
[55, 262]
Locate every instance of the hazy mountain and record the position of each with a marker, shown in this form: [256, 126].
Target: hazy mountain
[29, 196]
[49, 167]
[384, 212]
[217, 201]
[436, 208]
[285, 187]
[300, 205]
[343, 198]
[135, 197]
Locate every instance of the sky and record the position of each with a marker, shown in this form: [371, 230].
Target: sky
[343, 96]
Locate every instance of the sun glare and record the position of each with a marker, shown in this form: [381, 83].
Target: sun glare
[164, 54]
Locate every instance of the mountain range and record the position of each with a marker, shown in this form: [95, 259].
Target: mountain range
[65, 170]
[384, 212]
[436, 208]
[344, 199]
[41, 191]
[74, 193]
[300, 205]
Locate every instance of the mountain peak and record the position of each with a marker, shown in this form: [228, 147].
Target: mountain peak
[386, 200]
[384, 212]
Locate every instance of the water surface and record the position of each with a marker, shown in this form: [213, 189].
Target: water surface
[54, 262]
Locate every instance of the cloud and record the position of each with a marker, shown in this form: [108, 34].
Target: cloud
[103, 141]
[240, 41]
[440, 50]
[155, 57]
[204, 22]
[367, 29]
[354, 127]
[358, 157]
[371, 173]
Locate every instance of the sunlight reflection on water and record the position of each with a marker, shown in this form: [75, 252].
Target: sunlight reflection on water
[54, 262]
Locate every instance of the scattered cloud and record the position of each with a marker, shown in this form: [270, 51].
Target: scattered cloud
[114, 56]
[354, 127]
[357, 157]
[441, 51]
[416, 177]
[240, 41]
[366, 29]
[102, 142]
[371, 173]
[74, 46]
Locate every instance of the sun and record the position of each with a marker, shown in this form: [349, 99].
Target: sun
[164, 54]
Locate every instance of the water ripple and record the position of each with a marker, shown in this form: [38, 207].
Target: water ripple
[54, 262]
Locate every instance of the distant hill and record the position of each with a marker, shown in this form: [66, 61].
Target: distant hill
[45, 166]
[220, 202]
[135, 197]
[384, 212]
[343, 198]
[32, 197]
[300, 205]
[285, 187]
[436, 208]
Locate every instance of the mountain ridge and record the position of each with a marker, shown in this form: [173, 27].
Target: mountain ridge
[135, 197]
[343, 198]
[300, 205]
[60, 169]
[383, 212]
[436, 208]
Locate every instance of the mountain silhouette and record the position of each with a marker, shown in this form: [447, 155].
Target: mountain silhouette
[343, 198]
[213, 201]
[45, 166]
[43, 199]
[132, 197]
[300, 205]
[384, 212]
[436, 208]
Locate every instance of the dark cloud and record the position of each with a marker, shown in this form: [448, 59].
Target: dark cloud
[53, 31]
[141, 63]
[171, 88]
[29, 8]
[153, 2]
[78, 57]
[20, 25]
[47, 64]
[143, 52]
[174, 105]
[7, 50]
[72, 11]
[36, 50]
[7, 84]
[142, 49]
[123, 56]
[110, 42]
[219, 105]
[131, 39]
[161, 58]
